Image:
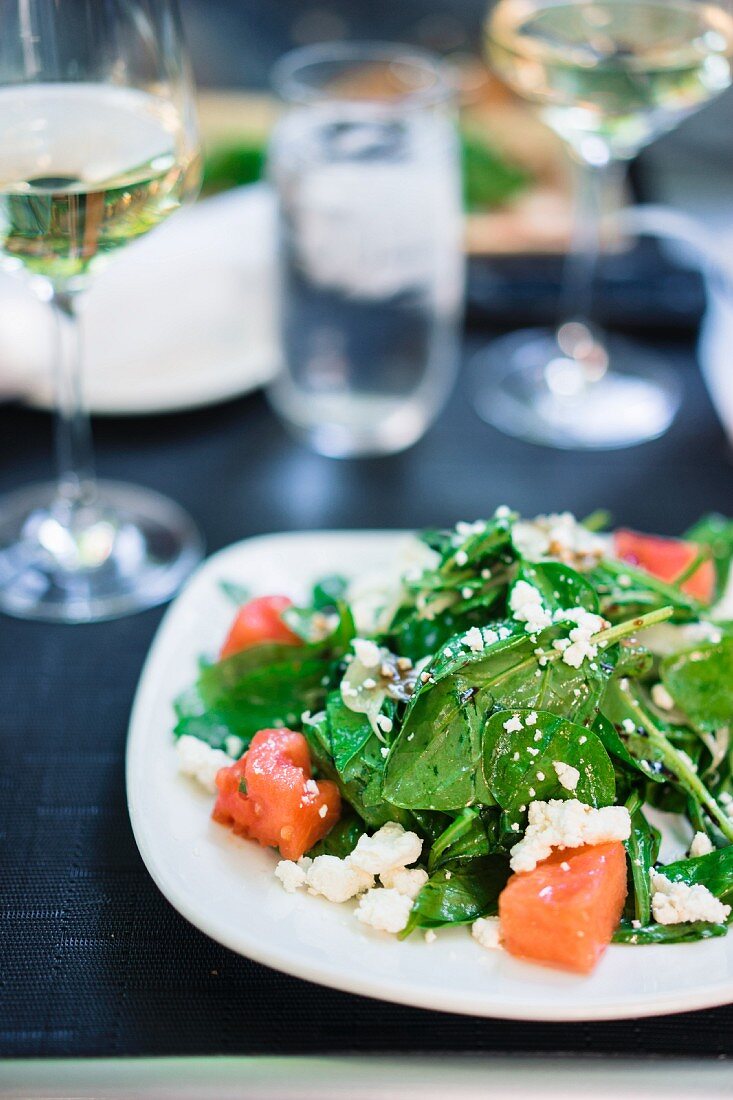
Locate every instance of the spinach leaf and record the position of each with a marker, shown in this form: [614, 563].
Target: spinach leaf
[624, 589]
[357, 763]
[329, 592]
[342, 838]
[714, 870]
[633, 749]
[434, 763]
[264, 686]
[519, 764]
[642, 849]
[460, 894]
[668, 933]
[473, 832]
[561, 586]
[701, 684]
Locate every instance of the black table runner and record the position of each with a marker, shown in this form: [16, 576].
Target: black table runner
[93, 960]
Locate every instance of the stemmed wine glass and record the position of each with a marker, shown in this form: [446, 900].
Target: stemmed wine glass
[98, 144]
[608, 76]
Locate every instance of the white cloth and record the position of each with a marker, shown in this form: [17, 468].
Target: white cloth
[182, 317]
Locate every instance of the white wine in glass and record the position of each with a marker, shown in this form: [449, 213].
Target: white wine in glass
[98, 145]
[608, 76]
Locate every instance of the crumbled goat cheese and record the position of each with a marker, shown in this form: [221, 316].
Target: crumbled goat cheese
[293, 875]
[390, 847]
[677, 903]
[578, 646]
[474, 639]
[337, 879]
[405, 880]
[567, 775]
[461, 557]
[661, 697]
[487, 932]
[629, 725]
[367, 652]
[531, 718]
[323, 812]
[558, 536]
[386, 910]
[200, 761]
[430, 936]
[701, 845]
[384, 723]
[526, 606]
[567, 824]
[234, 746]
[513, 724]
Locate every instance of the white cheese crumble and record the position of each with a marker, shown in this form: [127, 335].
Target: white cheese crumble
[385, 910]
[390, 847]
[405, 880]
[567, 775]
[200, 761]
[474, 639]
[234, 746]
[513, 724]
[487, 932]
[293, 875]
[337, 879]
[567, 824]
[559, 536]
[701, 845]
[367, 652]
[525, 603]
[579, 645]
[430, 936]
[677, 903]
[661, 697]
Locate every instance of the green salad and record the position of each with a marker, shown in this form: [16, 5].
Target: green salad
[502, 690]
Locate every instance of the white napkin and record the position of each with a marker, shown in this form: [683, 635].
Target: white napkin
[182, 317]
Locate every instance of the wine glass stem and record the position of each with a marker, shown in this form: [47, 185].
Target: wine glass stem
[73, 437]
[595, 187]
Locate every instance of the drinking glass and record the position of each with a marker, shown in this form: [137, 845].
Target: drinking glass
[366, 169]
[608, 76]
[98, 145]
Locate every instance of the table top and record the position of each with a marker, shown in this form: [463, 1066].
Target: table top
[94, 961]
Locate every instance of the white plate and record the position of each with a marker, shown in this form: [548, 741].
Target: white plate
[225, 885]
[181, 319]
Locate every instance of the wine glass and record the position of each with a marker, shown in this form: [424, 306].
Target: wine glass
[98, 145]
[608, 76]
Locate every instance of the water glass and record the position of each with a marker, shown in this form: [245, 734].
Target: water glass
[366, 170]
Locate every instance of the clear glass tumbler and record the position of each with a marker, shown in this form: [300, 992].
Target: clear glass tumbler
[366, 168]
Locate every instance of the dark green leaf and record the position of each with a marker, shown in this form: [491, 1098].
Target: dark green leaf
[667, 933]
[519, 764]
[460, 894]
[715, 871]
[342, 838]
[561, 586]
[701, 684]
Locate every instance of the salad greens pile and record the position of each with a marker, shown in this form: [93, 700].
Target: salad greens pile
[413, 693]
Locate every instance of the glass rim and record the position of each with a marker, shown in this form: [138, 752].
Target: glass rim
[290, 82]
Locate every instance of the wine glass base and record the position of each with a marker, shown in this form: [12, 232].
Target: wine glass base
[125, 550]
[634, 401]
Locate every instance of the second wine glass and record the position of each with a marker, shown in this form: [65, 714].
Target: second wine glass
[608, 76]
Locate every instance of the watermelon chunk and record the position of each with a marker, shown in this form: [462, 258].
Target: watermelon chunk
[667, 559]
[565, 911]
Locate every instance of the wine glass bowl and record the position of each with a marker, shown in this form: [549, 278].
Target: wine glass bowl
[608, 76]
[99, 146]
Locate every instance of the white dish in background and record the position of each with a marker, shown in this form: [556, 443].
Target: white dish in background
[180, 319]
[225, 885]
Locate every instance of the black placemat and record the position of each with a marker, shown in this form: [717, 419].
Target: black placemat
[92, 959]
